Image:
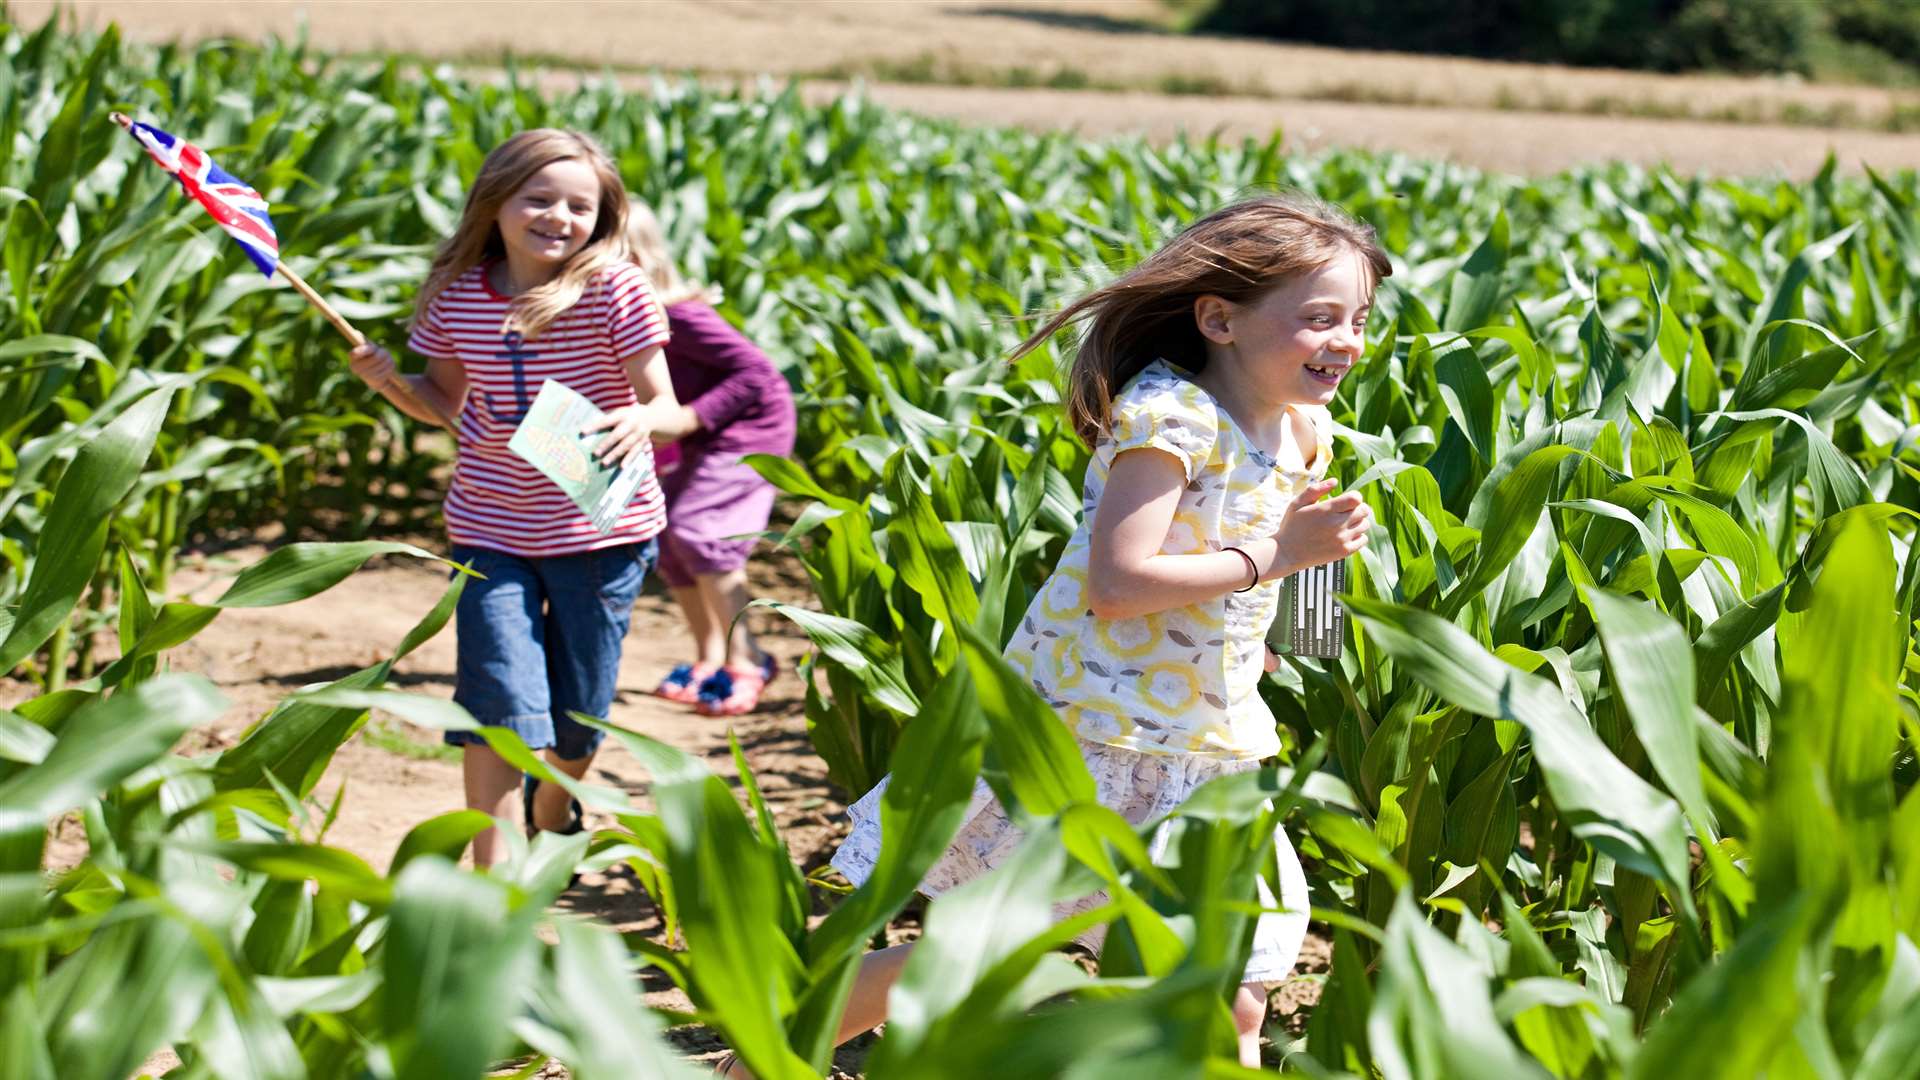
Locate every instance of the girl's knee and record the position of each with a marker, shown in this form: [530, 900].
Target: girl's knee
[1250, 1007]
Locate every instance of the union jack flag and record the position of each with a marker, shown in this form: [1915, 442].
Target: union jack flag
[238, 208]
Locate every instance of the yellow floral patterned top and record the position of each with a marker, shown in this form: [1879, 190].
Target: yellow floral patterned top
[1181, 681]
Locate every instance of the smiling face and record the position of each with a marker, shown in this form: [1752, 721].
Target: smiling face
[548, 219]
[1294, 343]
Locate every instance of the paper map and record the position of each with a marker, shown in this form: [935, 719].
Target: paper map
[549, 437]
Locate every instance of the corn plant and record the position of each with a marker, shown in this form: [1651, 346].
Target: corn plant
[208, 913]
[1620, 756]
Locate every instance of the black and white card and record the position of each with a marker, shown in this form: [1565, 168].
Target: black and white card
[1312, 621]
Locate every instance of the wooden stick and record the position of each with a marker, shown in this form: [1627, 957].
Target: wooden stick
[398, 383]
[353, 336]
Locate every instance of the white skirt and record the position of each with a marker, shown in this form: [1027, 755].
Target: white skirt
[1140, 787]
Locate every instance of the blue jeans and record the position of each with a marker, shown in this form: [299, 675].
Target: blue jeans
[539, 638]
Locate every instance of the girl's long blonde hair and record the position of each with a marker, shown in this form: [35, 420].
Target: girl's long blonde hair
[477, 238]
[649, 243]
[1237, 253]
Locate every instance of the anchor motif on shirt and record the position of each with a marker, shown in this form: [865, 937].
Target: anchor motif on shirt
[516, 353]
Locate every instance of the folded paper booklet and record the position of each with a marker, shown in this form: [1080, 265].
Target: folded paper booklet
[549, 437]
[1312, 621]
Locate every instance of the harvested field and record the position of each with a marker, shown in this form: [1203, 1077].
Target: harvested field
[1513, 117]
[1529, 143]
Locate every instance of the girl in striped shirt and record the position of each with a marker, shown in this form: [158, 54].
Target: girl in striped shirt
[537, 282]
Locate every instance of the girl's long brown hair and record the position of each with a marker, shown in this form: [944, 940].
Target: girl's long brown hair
[477, 238]
[1236, 253]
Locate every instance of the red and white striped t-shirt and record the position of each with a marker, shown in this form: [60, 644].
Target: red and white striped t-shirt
[498, 500]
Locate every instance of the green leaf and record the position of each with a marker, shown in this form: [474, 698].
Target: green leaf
[1840, 728]
[608, 1033]
[923, 552]
[425, 710]
[970, 929]
[933, 778]
[322, 993]
[136, 610]
[1895, 1046]
[1783, 300]
[1605, 803]
[1032, 752]
[1477, 285]
[1508, 521]
[333, 868]
[1483, 822]
[51, 345]
[22, 740]
[791, 477]
[1714, 528]
[870, 658]
[298, 571]
[1433, 1010]
[446, 836]
[103, 743]
[1735, 629]
[23, 1049]
[1653, 675]
[75, 533]
[299, 737]
[1753, 987]
[1469, 397]
[1837, 483]
[296, 740]
[282, 921]
[455, 960]
[744, 969]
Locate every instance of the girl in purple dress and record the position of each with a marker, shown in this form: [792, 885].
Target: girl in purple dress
[736, 403]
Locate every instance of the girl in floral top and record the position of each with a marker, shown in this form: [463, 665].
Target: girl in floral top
[1202, 385]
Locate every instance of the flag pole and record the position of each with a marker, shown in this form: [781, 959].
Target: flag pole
[398, 383]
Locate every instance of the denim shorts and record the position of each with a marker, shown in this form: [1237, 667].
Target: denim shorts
[539, 638]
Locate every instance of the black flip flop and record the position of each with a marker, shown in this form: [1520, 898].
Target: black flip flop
[528, 786]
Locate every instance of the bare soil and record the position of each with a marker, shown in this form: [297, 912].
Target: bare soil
[1529, 143]
[395, 778]
[1526, 118]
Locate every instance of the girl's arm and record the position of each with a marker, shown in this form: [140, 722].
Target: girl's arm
[659, 413]
[444, 386]
[1127, 576]
[702, 335]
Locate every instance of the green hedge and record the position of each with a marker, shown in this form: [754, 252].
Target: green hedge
[1668, 35]
[1892, 26]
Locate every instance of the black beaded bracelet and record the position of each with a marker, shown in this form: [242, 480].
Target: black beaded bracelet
[1252, 568]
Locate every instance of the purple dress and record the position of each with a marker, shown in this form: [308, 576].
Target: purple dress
[745, 407]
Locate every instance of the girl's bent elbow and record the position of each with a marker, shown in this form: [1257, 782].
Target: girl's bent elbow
[1108, 602]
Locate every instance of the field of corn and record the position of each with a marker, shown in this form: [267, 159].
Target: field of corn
[1614, 780]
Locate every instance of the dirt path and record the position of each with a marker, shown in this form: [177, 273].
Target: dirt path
[1511, 117]
[397, 774]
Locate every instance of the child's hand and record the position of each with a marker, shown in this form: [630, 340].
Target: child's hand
[1318, 530]
[625, 428]
[373, 364]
